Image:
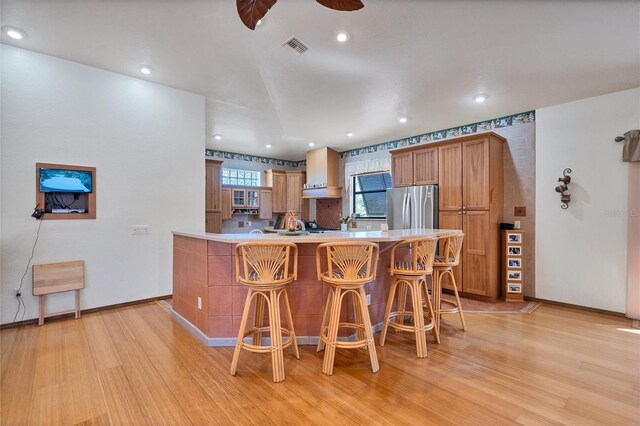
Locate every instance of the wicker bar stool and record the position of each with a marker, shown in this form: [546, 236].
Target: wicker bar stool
[410, 271]
[266, 269]
[451, 247]
[349, 266]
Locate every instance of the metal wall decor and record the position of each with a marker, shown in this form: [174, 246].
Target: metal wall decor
[564, 187]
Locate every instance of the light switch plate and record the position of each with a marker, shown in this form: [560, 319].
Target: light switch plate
[368, 299]
[139, 229]
[200, 303]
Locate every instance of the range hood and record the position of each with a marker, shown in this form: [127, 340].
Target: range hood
[322, 174]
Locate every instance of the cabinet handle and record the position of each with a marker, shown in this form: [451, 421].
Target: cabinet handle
[459, 212]
[464, 208]
[464, 212]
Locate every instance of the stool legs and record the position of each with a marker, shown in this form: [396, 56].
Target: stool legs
[416, 287]
[331, 324]
[270, 299]
[438, 274]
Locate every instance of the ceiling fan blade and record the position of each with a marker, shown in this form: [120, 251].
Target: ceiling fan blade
[251, 11]
[342, 5]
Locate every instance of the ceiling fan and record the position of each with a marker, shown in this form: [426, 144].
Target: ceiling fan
[251, 11]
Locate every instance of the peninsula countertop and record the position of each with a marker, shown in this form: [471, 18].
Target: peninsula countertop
[374, 236]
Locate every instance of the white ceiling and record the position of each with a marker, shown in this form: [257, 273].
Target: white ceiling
[422, 59]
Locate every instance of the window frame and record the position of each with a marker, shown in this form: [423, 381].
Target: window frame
[354, 194]
[257, 173]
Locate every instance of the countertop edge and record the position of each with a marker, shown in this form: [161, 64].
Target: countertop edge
[373, 236]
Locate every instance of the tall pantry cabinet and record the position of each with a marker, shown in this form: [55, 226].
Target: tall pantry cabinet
[470, 179]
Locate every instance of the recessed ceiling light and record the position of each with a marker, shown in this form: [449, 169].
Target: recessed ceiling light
[481, 97]
[403, 120]
[217, 137]
[312, 144]
[268, 145]
[342, 37]
[15, 33]
[145, 69]
[349, 134]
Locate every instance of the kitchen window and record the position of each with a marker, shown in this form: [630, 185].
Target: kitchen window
[370, 195]
[240, 177]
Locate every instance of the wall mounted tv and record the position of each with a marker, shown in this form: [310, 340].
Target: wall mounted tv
[61, 180]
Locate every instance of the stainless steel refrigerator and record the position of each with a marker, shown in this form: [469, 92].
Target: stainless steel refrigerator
[413, 207]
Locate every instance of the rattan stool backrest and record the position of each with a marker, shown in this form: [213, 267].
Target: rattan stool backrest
[347, 261]
[450, 250]
[413, 256]
[266, 263]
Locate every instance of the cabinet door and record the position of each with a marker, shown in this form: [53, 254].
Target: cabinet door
[238, 198]
[452, 220]
[266, 211]
[294, 192]
[213, 222]
[226, 203]
[253, 198]
[475, 174]
[213, 183]
[402, 169]
[450, 177]
[279, 193]
[425, 166]
[475, 252]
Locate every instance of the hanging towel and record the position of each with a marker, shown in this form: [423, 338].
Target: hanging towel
[631, 150]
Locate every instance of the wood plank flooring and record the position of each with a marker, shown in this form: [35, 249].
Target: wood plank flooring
[135, 365]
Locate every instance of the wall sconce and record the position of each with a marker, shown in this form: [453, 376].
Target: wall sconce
[563, 187]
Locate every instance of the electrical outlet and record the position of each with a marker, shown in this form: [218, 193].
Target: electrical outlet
[248, 223]
[139, 229]
[368, 227]
[241, 224]
[17, 291]
[271, 223]
[200, 303]
[516, 224]
[368, 299]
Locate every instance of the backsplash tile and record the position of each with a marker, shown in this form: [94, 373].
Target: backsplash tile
[328, 212]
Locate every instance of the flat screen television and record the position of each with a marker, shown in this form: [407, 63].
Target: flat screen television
[61, 180]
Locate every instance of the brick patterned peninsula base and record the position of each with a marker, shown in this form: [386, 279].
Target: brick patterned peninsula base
[204, 274]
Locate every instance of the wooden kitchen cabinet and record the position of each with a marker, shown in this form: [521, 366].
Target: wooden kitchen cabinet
[213, 196]
[419, 167]
[295, 182]
[402, 169]
[470, 180]
[226, 203]
[277, 180]
[266, 204]
[425, 166]
[213, 222]
[213, 185]
[450, 177]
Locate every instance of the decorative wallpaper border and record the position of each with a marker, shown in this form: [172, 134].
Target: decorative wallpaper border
[225, 155]
[467, 129]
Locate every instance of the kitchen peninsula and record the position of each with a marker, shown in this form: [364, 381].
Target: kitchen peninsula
[207, 298]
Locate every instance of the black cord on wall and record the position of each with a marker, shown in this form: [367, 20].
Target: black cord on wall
[19, 289]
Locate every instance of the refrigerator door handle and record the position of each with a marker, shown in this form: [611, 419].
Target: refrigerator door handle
[404, 210]
[408, 226]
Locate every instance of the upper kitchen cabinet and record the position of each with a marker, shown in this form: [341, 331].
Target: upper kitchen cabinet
[425, 166]
[416, 167]
[213, 185]
[277, 180]
[402, 169]
[295, 182]
[470, 176]
[213, 196]
[450, 177]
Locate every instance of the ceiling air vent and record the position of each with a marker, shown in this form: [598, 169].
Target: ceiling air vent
[298, 47]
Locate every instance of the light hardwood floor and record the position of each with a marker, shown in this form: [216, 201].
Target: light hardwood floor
[135, 365]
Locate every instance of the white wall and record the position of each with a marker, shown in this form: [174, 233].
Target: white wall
[146, 142]
[581, 253]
